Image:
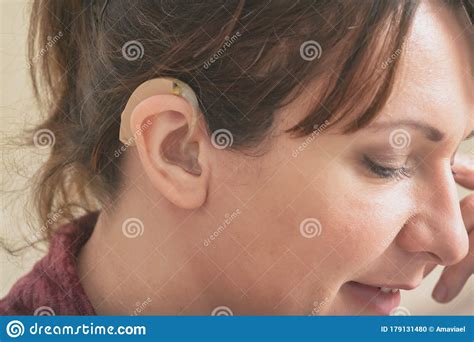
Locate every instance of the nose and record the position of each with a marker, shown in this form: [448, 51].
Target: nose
[437, 228]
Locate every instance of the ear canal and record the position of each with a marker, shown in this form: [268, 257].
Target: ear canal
[177, 151]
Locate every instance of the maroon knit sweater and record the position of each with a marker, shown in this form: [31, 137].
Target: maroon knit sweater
[53, 285]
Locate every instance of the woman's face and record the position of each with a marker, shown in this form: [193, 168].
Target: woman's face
[317, 224]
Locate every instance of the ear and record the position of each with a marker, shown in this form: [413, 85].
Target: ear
[173, 148]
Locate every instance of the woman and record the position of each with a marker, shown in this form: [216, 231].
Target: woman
[250, 157]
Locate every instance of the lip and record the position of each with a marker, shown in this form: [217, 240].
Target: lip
[406, 287]
[370, 298]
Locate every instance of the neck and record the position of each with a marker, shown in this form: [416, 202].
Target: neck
[150, 260]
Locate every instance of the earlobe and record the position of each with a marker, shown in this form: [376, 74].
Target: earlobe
[173, 150]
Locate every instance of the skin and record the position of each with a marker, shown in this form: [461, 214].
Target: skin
[373, 230]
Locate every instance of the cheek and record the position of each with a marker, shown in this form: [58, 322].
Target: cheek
[339, 225]
[307, 236]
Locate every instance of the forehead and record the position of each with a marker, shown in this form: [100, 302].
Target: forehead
[435, 76]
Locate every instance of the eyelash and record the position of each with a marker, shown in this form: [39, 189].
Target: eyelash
[386, 172]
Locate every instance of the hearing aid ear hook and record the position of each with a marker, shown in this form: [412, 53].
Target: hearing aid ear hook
[150, 88]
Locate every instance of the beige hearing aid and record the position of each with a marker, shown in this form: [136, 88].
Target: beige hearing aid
[150, 88]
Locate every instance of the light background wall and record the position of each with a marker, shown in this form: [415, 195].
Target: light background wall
[17, 109]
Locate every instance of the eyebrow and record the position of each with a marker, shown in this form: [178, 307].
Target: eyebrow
[430, 132]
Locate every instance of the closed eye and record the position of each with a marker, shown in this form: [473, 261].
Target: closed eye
[386, 171]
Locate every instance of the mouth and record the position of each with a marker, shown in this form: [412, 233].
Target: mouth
[380, 300]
